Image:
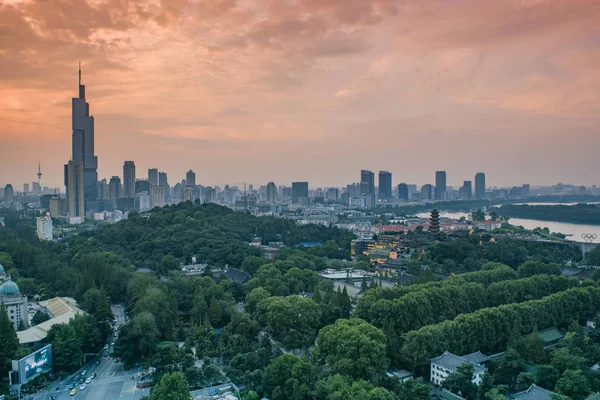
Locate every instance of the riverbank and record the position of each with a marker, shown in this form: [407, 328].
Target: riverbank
[588, 214]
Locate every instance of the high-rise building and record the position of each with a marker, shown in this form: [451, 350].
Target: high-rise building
[153, 176]
[333, 195]
[58, 207]
[157, 196]
[44, 228]
[142, 201]
[466, 191]
[164, 183]
[103, 189]
[403, 192]
[440, 185]
[142, 185]
[271, 192]
[299, 190]
[83, 149]
[190, 178]
[128, 179]
[367, 180]
[26, 189]
[36, 189]
[527, 189]
[385, 185]
[9, 194]
[427, 192]
[74, 181]
[210, 195]
[479, 186]
[114, 189]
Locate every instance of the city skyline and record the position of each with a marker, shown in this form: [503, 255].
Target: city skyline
[344, 83]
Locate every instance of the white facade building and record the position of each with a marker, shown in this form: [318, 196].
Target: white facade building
[44, 228]
[142, 202]
[15, 303]
[447, 363]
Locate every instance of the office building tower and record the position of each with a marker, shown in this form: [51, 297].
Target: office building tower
[527, 189]
[142, 201]
[164, 183]
[9, 194]
[367, 180]
[333, 195]
[210, 195]
[142, 185]
[114, 189]
[153, 176]
[385, 185]
[271, 192]
[427, 192]
[157, 196]
[299, 190]
[26, 189]
[354, 190]
[479, 186]
[440, 185]
[190, 178]
[36, 189]
[403, 192]
[103, 189]
[74, 182]
[83, 150]
[466, 191]
[58, 207]
[128, 179]
[44, 228]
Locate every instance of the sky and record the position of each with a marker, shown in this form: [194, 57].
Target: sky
[306, 90]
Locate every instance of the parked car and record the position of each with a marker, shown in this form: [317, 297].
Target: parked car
[82, 387]
[72, 393]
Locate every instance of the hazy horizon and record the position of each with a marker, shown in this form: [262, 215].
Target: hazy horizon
[306, 90]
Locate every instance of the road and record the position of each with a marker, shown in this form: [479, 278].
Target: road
[111, 382]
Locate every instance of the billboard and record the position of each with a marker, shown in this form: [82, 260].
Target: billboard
[34, 364]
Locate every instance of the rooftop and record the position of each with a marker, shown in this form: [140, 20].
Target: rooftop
[533, 393]
[451, 361]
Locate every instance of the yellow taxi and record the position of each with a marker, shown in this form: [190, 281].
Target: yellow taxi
[73, 392]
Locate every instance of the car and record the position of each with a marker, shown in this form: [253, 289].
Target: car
[82, 387]
[88, 380]
[83, 372]
[72, 393]
[94, 375]
[112, 344]
[105, 347]
[71, 386]
[57, 389]
[118, 359]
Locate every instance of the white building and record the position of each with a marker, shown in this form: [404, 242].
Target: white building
[15, 303]
[447, 363]
[157, 196]
[44, 228]
[142, 202]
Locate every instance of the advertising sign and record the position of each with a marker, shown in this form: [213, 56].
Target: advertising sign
[34, 364]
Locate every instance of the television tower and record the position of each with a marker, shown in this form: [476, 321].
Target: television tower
[39, 174]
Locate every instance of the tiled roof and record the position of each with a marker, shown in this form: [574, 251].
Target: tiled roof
[476, 358]
[451, 361]
[533, 393]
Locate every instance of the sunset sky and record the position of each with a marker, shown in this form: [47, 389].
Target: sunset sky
[283, 90]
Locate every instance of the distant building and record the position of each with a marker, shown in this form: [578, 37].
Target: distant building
[534, 393]
[447, 363]
[114, 189]
[466, 191]
[367, 182]
[526, 191]
[157, 197]
[26, 189]
[58, 207]
[403, 192]
[190, 178]
[210, 195]
[16, 305]
[479, 186]
[103, 190]
[271, 192]
[153, 176]
[333, 195]
[434, 222]
[142, 185]
[44, 228]
[299, 189]
[427, 192]
[385, 185]
[142, 201]
[9, 194]
[164, 183]
[75, 183]
[128, 179]
[440, 185]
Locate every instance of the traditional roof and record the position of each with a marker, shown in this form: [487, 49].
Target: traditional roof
[550, 335]
[533, 393]
[477, 358]
[236, 275]
[451, 361]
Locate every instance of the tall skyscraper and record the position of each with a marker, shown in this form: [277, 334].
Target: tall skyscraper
[299, 190]
[157, 196]
[74, 181]
[83, 150]
[9, 194]
[142, 186]
[479, 186]
[26, 188]
[271, 192]
[427, 192]
[128, 179]
[103, 189]
[190, 178]
[367, 180]
[466, 191]
[153, 176]
[164, 183]
[440, 185]
[114, 189]
[403, 192]
[385, 185]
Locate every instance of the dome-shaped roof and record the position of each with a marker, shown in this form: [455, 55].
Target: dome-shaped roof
[2, 269]
[9, 288]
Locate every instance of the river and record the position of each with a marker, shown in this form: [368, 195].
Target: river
[573, 230]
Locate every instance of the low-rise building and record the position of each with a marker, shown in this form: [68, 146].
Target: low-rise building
[533, 393]
[15, 303]
[447, 363]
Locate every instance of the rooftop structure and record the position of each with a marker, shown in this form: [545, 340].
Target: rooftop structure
[447, 363]
[15, 303]
[534, 393]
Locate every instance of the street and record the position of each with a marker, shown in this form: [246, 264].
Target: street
[111, 382]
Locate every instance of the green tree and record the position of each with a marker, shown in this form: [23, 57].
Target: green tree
[573, 383]
[96, 303]
[66, 347]
[461, 381]
[214, 313]
[354, 348]
[546, 376]
[173, 386]
[39, 317]
[593, 257]
[524, 380]
[9, 343]
[477, 215]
